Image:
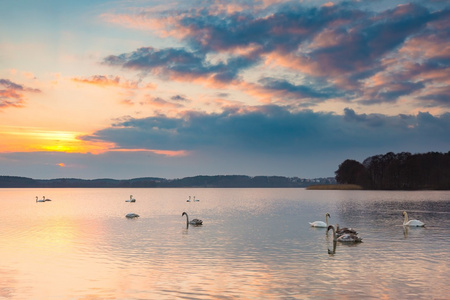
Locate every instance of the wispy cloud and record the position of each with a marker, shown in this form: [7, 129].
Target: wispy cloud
[12, 94]
[113, 81]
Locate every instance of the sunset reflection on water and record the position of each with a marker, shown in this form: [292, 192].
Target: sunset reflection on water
[254, 244]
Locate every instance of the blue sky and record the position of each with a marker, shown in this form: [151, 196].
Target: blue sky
[125, 89]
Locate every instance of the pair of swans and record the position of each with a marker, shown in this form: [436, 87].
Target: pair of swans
[195, 222]
[195, 200]
[131, 199]
[412, 223]
[42, 200]
[346, 235]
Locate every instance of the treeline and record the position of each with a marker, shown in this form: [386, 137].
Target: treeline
[219, 181]
[401, 171]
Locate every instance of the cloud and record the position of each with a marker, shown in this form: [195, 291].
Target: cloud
[158, 102]
[180, 64]
[12, 94]
[276, 130]
[111, 80]
[283, 91]
[340, 46]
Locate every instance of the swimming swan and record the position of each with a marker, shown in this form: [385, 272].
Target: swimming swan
[39, 200]
[189, 200]
[415, 223]
[196, 200]
[195, 222]
[131, 199]
[321, 223]
[345, 238]
[43, 197]
[132, 216]
[345, 230]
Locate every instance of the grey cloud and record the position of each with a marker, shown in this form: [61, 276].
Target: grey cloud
[272, 129]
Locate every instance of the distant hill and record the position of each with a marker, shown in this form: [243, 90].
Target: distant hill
[218, 181]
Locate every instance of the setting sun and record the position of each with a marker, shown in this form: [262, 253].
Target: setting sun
[36, 139]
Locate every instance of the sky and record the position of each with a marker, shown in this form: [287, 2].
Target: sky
[176, 88]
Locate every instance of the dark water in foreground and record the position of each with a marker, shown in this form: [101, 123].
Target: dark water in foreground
[254, 244]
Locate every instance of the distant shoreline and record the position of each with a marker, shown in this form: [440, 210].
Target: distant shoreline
[201, 181]
[335, 187]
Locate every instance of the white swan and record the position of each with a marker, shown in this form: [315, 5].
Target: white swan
[132, 216]
[415, 223]
[189, 200]
[131, 199]
[321, 223]
[39, 200]
[196, 200]
[195, 222]
[345, 238]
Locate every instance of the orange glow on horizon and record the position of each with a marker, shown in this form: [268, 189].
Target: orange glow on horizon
[37, 140]
[22, 139]
[170, 153]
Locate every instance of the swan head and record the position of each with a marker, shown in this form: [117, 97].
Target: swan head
[331, 227]
[184, 213]
[327, 215]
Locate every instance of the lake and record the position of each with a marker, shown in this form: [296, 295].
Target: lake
[254, 244]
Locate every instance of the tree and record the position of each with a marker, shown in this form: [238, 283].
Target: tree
[351, 172]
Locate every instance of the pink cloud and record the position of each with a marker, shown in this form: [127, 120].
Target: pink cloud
[114, 81]
[13, 94]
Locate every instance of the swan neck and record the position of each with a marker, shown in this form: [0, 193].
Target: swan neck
[406, 217]
[187, 220]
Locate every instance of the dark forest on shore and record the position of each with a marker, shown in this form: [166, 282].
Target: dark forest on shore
[401, 171]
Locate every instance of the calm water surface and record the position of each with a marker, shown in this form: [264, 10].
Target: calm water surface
[254, 244]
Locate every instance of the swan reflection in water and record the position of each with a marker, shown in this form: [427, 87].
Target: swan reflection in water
[195, 222]
[333, 251]
[414, 230]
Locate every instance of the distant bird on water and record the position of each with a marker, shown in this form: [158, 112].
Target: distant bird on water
[39, 200]
[132, 216]
[131, 199]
